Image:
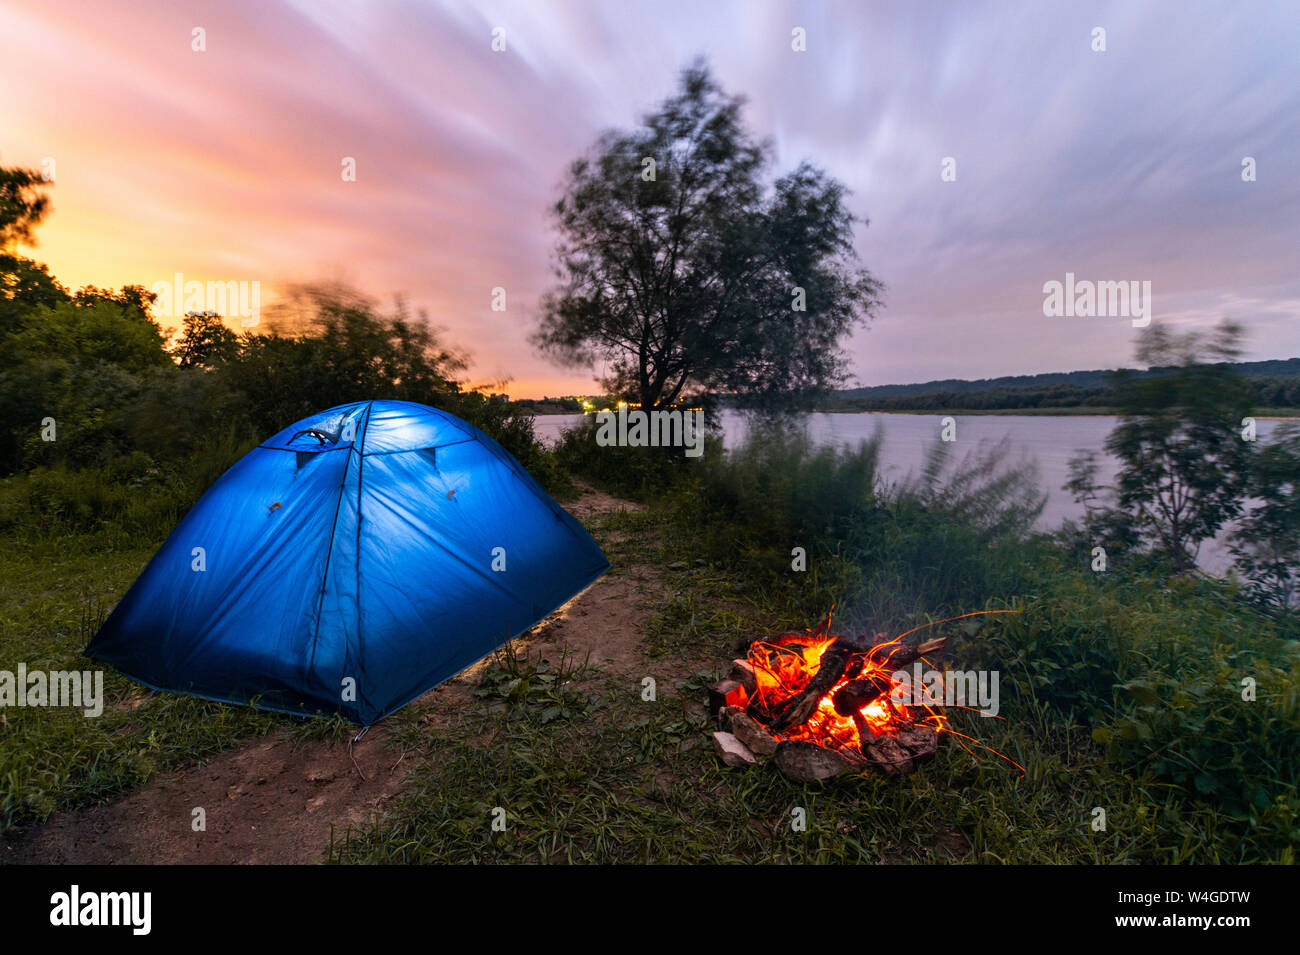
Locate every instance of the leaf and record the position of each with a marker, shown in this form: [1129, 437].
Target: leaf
[1144, 693]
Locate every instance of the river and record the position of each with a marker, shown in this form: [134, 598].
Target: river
[1050, 441]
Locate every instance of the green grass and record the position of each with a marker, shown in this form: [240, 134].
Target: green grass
[617, 779]
[1119, 692]
[55, 593]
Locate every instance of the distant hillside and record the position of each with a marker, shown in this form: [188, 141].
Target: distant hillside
[1095, 379]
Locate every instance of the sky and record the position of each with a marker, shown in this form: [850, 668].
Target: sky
[1123, 164]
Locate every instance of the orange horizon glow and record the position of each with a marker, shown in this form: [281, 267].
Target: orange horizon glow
[224, 164]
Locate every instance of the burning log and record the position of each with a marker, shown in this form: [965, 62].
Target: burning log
[854, 695]
[820, 704]
[834, 661]
[727, 693]
[907, 654]
[748, 730]
[823, 703]
[860, 643]
[883, 651]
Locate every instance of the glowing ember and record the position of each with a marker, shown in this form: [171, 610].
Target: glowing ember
[822, 703]
[785, 666]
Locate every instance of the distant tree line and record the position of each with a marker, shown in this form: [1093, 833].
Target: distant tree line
[1265, 392]
[89, 379]
[1284, 368]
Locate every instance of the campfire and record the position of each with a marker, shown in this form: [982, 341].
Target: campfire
[820, 703]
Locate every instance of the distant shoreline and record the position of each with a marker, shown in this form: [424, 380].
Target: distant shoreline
[1264, 414]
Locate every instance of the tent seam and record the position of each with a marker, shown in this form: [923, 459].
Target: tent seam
[329, 553]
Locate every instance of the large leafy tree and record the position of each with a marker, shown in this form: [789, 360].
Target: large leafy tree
[205, 341]
[684, 271]
[1184, 462]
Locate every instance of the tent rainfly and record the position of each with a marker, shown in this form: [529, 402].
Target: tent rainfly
[348, 565]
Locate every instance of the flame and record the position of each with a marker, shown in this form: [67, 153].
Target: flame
[784, 666]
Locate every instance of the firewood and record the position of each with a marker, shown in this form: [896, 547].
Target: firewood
[859, 642]
[802, 761]
[854, 695]
[921, 740]
[885, 752]
[899, 753]
[744, 674]
[865, 732]
[882, 650]
[798, 708]
[748, 730]
[726, 693]
[905, 654]
[732, 751]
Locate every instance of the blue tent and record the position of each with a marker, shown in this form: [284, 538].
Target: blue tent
[350, 564]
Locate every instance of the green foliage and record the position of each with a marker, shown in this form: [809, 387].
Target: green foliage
[339, 348]
[681, 278]
[1266, 543]
[518, 689]
[23, 204]
[949, 540]
[1158, 673]
[205, 340]
[634, 472]
[1184, 465]
[25, 285]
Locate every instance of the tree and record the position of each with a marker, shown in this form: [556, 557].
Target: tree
[333, 348]
[204, 341]
[22, 204]
[1183, 462]
[1266, 544]
[24, 285]
[685, 274]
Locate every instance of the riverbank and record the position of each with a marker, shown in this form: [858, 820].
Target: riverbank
[1119, 689]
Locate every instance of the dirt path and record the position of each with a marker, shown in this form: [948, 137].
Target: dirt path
[271, 802]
